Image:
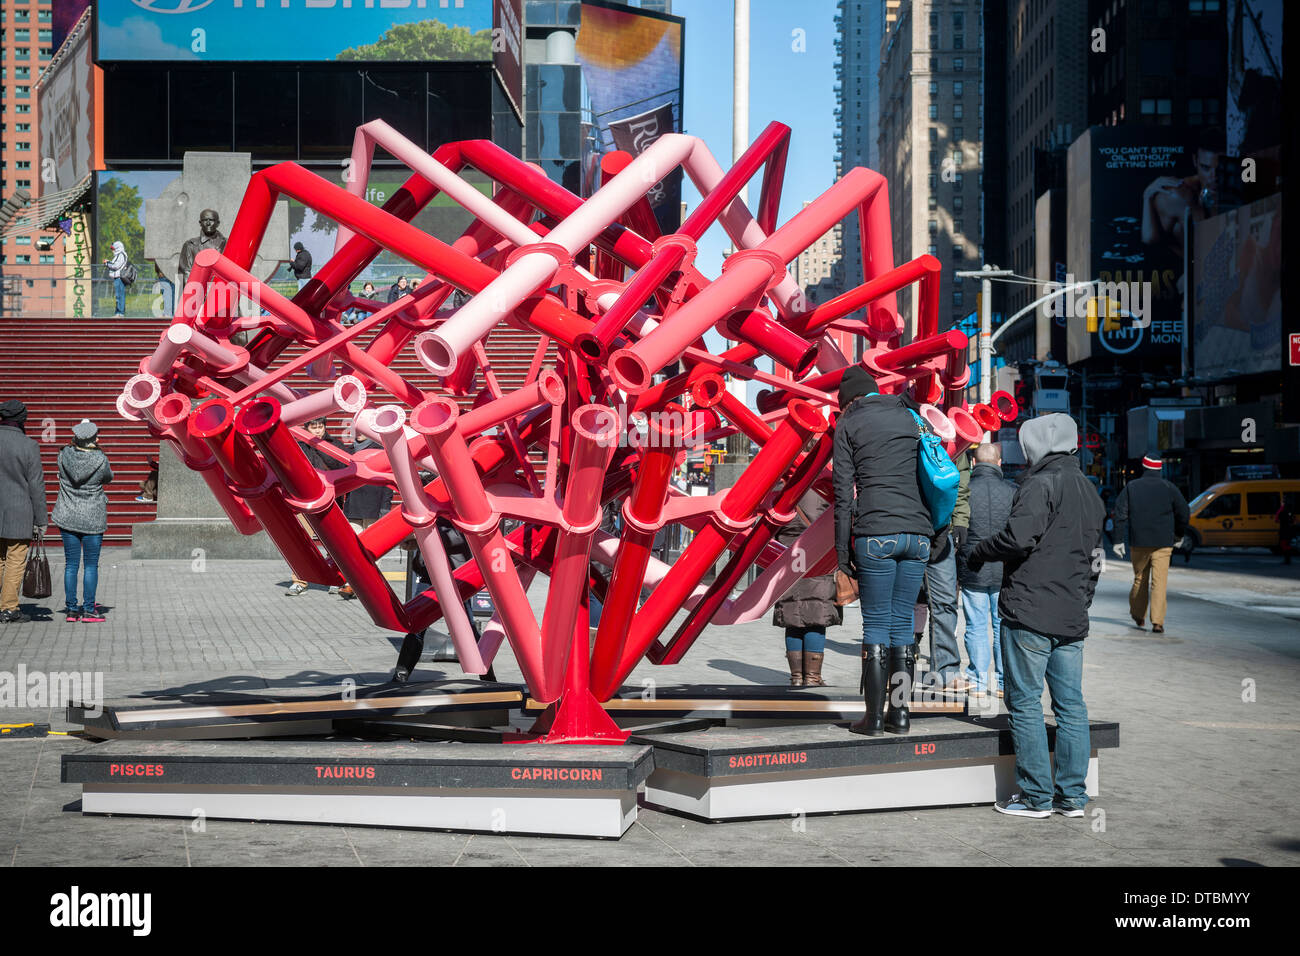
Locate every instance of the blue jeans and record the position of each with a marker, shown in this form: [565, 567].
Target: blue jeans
[941, 588]
[890, 570]
[74, 547]
[1030, 658]
[119, 291]
[979, 607]
[810, 640]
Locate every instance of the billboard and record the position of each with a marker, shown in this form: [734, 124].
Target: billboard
[1237, 300]
[632, 66]
[297, 30]
[65, 103]
[508, 50]
[1129, 188]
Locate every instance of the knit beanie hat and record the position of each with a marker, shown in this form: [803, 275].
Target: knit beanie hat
[13, 412]
[857, 381]
[84, 432]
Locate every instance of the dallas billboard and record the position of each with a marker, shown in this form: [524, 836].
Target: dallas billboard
[1129, 189]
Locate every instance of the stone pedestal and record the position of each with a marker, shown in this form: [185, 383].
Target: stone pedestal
[189, 518]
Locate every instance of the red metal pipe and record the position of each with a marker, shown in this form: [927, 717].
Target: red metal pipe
[710, 541]
[758, 329]
[925, 269]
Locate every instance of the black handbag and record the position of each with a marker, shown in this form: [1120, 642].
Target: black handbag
[36, 576]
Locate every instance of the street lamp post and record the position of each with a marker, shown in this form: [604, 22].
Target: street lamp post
[986, 274]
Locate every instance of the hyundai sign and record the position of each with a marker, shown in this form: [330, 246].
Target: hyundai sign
[295, 30]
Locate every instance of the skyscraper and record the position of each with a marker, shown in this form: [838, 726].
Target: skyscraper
[857, 108]
[931, 141]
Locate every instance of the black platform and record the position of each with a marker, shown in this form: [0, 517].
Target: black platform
[730, 772]
[569, 790]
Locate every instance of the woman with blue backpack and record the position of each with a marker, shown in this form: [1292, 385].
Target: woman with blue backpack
[894, 487]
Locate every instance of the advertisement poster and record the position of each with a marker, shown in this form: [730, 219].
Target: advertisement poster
[1129, 189]
[1237, 307]
[65, 99]
[632, 66]
[300, 30]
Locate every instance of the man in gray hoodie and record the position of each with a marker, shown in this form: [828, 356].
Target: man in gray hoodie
[22, 504]
[1051, 558]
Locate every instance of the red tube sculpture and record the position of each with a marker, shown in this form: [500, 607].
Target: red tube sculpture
[612, 429]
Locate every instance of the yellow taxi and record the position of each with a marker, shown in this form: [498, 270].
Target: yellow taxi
[1241, 514]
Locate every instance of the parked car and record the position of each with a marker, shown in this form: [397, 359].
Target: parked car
[1240, 514]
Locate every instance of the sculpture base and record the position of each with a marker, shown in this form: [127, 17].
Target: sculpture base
[727, 773]
[554, 791]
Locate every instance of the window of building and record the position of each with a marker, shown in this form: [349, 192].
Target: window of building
[933, 201]
[23, 260]
[956, 156]
[934, 111]
[23, 92]
[934, 88]
[956, 297]
[958, 88]
[22, 36]
[934, 41]
[958, 253]
[934, 21]
[45, 16]
[934, 227]
[23, 164]
[22, 108]
[934, 134]
[956, 203]
[934, 64]
[46, 258]
[1194, 7]
[959, 64]
[956, 182]
[934, 180]
[933, 250]
[957, 229]
[959, 133]
[23, 146]
[958, 42]
[959, 21]
[23, 240]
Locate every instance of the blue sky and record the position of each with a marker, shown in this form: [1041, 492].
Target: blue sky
[791, 87]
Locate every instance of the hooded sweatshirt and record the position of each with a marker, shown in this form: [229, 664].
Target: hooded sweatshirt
[118, 262]
[82, 506]
[1050, 547]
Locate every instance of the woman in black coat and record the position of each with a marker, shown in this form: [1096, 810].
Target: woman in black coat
[808, 608]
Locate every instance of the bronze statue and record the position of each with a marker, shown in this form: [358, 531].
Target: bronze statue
[209, 237]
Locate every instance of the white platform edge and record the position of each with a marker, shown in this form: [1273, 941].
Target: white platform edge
[588, 813]
[894, 787]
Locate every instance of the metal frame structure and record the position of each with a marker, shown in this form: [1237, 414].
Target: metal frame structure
[621, 303]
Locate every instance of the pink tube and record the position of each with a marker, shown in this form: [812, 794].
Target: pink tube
[548, 389]
[940, 423]
[435, 419]
[967, 428]
[347, 394]
[388, 423]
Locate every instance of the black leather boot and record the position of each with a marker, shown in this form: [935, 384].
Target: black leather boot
[902, 673]
[873, 689]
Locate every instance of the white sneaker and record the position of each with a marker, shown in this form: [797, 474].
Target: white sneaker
[295, 590]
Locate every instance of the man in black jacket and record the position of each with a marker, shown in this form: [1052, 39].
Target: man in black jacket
[1051, 555]
[1150, 518]
[301, 264]
[990, 506]
[22, 505]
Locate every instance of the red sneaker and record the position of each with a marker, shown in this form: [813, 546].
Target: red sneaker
[93, 616]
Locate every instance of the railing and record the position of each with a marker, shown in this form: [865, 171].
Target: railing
[35, 291]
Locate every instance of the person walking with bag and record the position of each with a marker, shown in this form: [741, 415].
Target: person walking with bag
[808, 608]
[1051, 554]
[1151, 516]
[81, 512]
[22, 504]
[883, 527]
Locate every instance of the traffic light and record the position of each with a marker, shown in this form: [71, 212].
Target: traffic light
[19, 198]
[1103, 308]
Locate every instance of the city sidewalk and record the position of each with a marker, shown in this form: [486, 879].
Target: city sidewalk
[1205, 773]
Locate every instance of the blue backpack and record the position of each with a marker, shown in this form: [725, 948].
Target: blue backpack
[936, 474]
